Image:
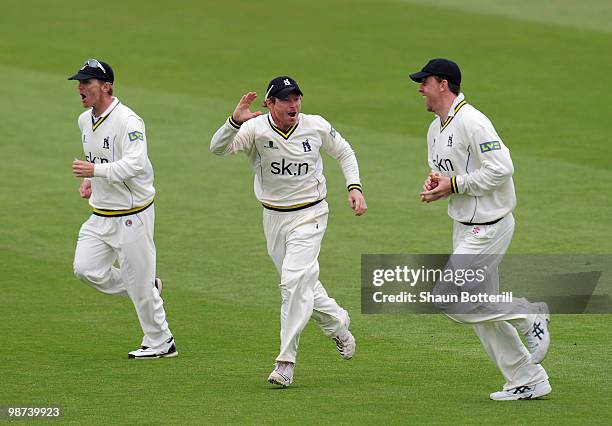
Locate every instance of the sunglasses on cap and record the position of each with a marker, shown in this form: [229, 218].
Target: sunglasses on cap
[93, 63]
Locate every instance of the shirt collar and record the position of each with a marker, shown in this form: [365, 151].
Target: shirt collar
[108, 110]
[275, 125]
[458, 99]
[271, 119]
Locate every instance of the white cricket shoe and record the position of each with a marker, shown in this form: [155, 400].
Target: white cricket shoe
[159, 285]
[538, 336]
[523, 392]
[282, 374]
[345, 342]
[166, 350]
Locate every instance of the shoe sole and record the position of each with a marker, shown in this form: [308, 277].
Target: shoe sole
[170, 355]
[347, 357]
[540, 356]
[348, 324]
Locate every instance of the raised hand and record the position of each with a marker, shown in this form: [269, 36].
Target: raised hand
[243, 111]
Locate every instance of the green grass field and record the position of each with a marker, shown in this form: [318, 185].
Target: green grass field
[540, 72]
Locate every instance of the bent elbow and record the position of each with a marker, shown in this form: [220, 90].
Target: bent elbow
[214, 147]
[216, 150]
[138, 168]
[508, 171]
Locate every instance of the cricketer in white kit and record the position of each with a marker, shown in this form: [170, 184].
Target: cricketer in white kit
[284, 150]
[470, 164]
[118, 181]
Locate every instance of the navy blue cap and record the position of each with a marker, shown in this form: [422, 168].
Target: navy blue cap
[281, 87]
[92, 68]
[443, 68]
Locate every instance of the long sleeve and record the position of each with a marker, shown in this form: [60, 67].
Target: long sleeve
[338, 148]
[231, 138]
[496, 164]
[134, 158]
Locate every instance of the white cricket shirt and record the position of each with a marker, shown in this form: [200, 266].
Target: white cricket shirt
[288, 165]
[116, 143]
[468, 149]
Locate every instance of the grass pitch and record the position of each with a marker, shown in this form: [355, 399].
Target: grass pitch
[538, 71]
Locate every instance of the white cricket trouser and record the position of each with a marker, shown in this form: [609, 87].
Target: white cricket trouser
[128, 239]
[498, 331]
[294, 241]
